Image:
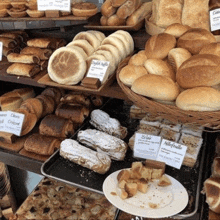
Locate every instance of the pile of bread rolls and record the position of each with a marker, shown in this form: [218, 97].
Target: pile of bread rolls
[33, 58]
[166, 12]
[124, 12]
[180, 67]
[68, 65]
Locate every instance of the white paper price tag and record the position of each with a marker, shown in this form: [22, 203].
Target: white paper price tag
[13, 122]
[146, 146]
[214, 16]
[171, 153]
[1, 50]
[98, 69]
[62, 5]
[3, 116]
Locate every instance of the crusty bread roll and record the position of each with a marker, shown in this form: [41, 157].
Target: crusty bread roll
[199, 70]
[42, 53]
[156, 87]
[66, 66]
[41, 144]
[158, 46]
[81, 155]
[159, 67]
[130, 73]
[103, 20]
[196, 14]
[90, 37]
[151, 28]
[107, 9]
[176, 29]
[25, 93]
[138, 59]
[17, 12]
[199, 99]
[84, 9]
[127, 8]
[23, 69]
[194, 39]
[35, 13]
[140, 14]
[118, 3]
[84, 44]
[114, 20]
[212, 189]
[166, 12]
[212, 48]
[177, 56]
[22, 58]
[56, 126]
[11, 103]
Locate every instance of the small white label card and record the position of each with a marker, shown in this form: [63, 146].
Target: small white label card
[3, 116]
[98, 69]
[62, 5]
[14, 122]
[171, 153]
[146, 146]
[1, 50]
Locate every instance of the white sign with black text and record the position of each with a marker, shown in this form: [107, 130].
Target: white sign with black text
[146, 146]
[62, 5]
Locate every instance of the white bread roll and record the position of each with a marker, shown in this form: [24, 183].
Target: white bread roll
[91, 38]
[117, 43]
[158, 46]
[199, 70]
[130, 73]
[159, 67]
[85, 56]
[195, 39]
[177, 56]
[138, 59]
[199, 99]
[212, 189]
[156, 87]
[176, 29]
[98, 34]
[84, 44]
[113, 50]
[66, 66]
[212, 48]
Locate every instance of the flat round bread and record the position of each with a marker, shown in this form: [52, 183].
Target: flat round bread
[91, 38]
[98, 34]
[114, 51]
[67, 66]
[84, 44]
[117, 43]
[83, 53]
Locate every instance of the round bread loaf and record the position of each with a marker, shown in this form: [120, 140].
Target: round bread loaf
[156, 87]
[138, 59]
[194, 39]
[66, 66]
[130, 73]
[159, 67]
[151, 28]
[84, 44]
[212, 190]
[199, 70]
[176, 29]
[199, 99]
[158, 46]
[91, 38]
[84, 9]
[177, 56]
[212, 48]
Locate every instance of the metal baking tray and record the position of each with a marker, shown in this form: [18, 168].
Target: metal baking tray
[58, 168]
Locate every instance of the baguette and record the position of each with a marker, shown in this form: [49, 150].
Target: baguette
[107, 9]
[77, 153]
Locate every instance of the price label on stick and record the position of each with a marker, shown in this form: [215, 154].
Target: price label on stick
[98, 69]
[171, 153]
[1, 50]
[146, 146]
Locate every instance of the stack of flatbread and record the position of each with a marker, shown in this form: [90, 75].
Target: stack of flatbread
[34, 57]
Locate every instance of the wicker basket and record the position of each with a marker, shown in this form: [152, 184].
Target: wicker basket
[207, 119]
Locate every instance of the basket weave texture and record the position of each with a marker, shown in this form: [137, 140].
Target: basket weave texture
[208, 119]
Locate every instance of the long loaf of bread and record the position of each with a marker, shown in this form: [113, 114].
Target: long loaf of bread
[81, 155]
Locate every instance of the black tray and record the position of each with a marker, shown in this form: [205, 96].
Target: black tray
[61, 169]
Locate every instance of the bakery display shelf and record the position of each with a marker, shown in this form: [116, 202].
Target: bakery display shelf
[16, 160]
[9, 23]
[58, 168]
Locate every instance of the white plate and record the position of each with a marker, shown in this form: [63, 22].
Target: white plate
[170, 200]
